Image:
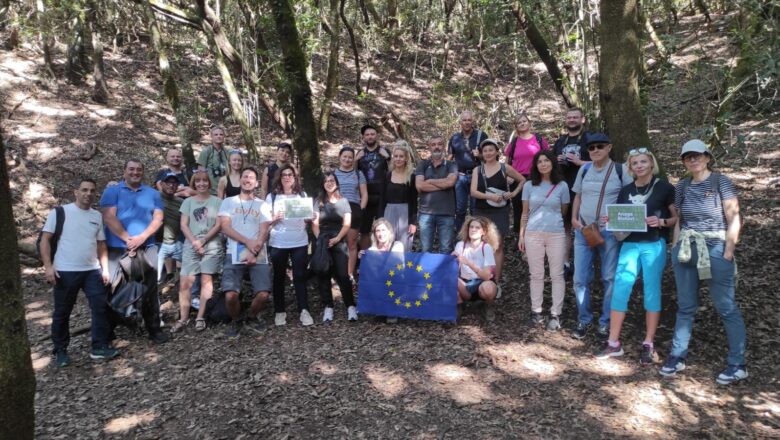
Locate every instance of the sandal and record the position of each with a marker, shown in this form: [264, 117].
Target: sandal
[179, 326]
[200, 325]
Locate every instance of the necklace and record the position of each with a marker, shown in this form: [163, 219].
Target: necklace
[641, 197]
[246, 212]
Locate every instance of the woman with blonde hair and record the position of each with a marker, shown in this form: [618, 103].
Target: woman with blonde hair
[230, 184]
[383, 237]
[399, 201]
[476, 260]
[642, 251]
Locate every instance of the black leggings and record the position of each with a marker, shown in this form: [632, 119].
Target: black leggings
[279, 257]
[338, 270]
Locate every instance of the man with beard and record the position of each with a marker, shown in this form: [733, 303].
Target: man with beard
[132, 214]
[572, 152]
[284, 155]
[463, 149]
[175, 164]
[372, 161]
[214, 158]
[435, 180]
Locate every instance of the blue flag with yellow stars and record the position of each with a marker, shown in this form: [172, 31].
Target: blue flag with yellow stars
[408, 285]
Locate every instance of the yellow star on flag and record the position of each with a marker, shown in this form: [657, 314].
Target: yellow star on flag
[429, 286]
[392, 273]
[399, 266]
[409, 264]
[425, 296]
[427, 275]
[391, 294]
[417, 303]
[389, 283]
[398, 301]
[419, 268]
[408, 304]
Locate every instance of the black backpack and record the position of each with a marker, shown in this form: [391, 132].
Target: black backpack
[321, 262]
[216, 309]
[59, 217]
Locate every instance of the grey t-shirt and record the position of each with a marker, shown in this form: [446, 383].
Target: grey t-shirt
[437, 202]
[544, 212]
[590, 188]
[202, 214]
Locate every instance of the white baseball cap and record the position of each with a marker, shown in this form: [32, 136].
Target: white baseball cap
[694, 146]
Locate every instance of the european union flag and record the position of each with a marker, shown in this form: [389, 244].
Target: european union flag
[409, 285]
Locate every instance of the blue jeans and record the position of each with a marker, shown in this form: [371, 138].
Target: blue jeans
[721, 287]
[444, 224]
[584, 271]
[65, 293]
[463, 199]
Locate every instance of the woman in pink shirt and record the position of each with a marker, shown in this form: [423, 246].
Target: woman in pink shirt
[519, 152]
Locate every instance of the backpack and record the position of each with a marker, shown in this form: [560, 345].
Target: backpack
[321, 260]
[216, 309]
[59, 217]
[126, 300]
[618, 170]
[513, 139]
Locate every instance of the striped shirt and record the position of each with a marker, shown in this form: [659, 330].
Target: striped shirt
[349, 184]
[701, 209]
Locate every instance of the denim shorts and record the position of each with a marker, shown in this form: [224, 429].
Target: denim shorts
[472, 286]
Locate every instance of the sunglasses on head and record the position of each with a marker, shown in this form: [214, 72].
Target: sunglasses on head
[637, 151]
[198, 171]
[594, 147]
[235, 152]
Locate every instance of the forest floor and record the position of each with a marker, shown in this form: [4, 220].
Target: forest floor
[420, 380]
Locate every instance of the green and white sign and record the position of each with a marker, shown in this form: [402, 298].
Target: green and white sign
[298, 208]
[626, 218]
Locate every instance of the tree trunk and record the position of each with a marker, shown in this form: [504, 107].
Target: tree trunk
[304, 126]
[449, 6]
[100, 94]
[76, 66]
[659, 45]
[353, 43]
[170, 89]
[46, 40]
[702, 7]
[547, 56]
[619, 69]
[17, 379]
[332, 81]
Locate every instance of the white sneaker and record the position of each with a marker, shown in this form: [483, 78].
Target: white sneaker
[351, 313]
[498, 292]
[306, 318]
[280, 319]
[327, 314]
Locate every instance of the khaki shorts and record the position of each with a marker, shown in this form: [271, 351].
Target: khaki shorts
[209, 263]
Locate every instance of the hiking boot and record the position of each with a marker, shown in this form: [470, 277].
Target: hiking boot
[179, 326]
[603, 332]
[672, 365]
[609, 351]
[233, 330]
[280, 319]
[648, 356]
[733, 373]
[62, 359]
[159, 337]
[352, 314]
[554, 324]
[536, 319]
[103, 354]
[306, 319]
[327, 314]
[255, 325]
[581, 331]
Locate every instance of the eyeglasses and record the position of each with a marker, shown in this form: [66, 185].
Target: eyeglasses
[594, 147]
[637, 151]
[692, 157]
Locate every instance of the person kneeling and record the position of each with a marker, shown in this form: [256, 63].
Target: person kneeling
[476, 260]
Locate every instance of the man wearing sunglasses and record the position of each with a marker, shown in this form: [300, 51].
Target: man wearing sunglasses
[600, 180]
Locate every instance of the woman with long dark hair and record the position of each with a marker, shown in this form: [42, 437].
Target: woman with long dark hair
[545, 201]
[332, 222]
[355, 189]
[289, 241]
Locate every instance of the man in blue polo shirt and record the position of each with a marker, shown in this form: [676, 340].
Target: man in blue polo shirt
[132, 213]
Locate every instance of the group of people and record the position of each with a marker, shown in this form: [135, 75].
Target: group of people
[227, 218]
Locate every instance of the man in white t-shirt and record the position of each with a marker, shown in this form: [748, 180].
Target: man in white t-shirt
[245, 220]
[80, 261]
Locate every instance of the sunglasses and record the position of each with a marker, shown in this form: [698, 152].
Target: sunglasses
[637, 151]
[690, 157]
[594, 147]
